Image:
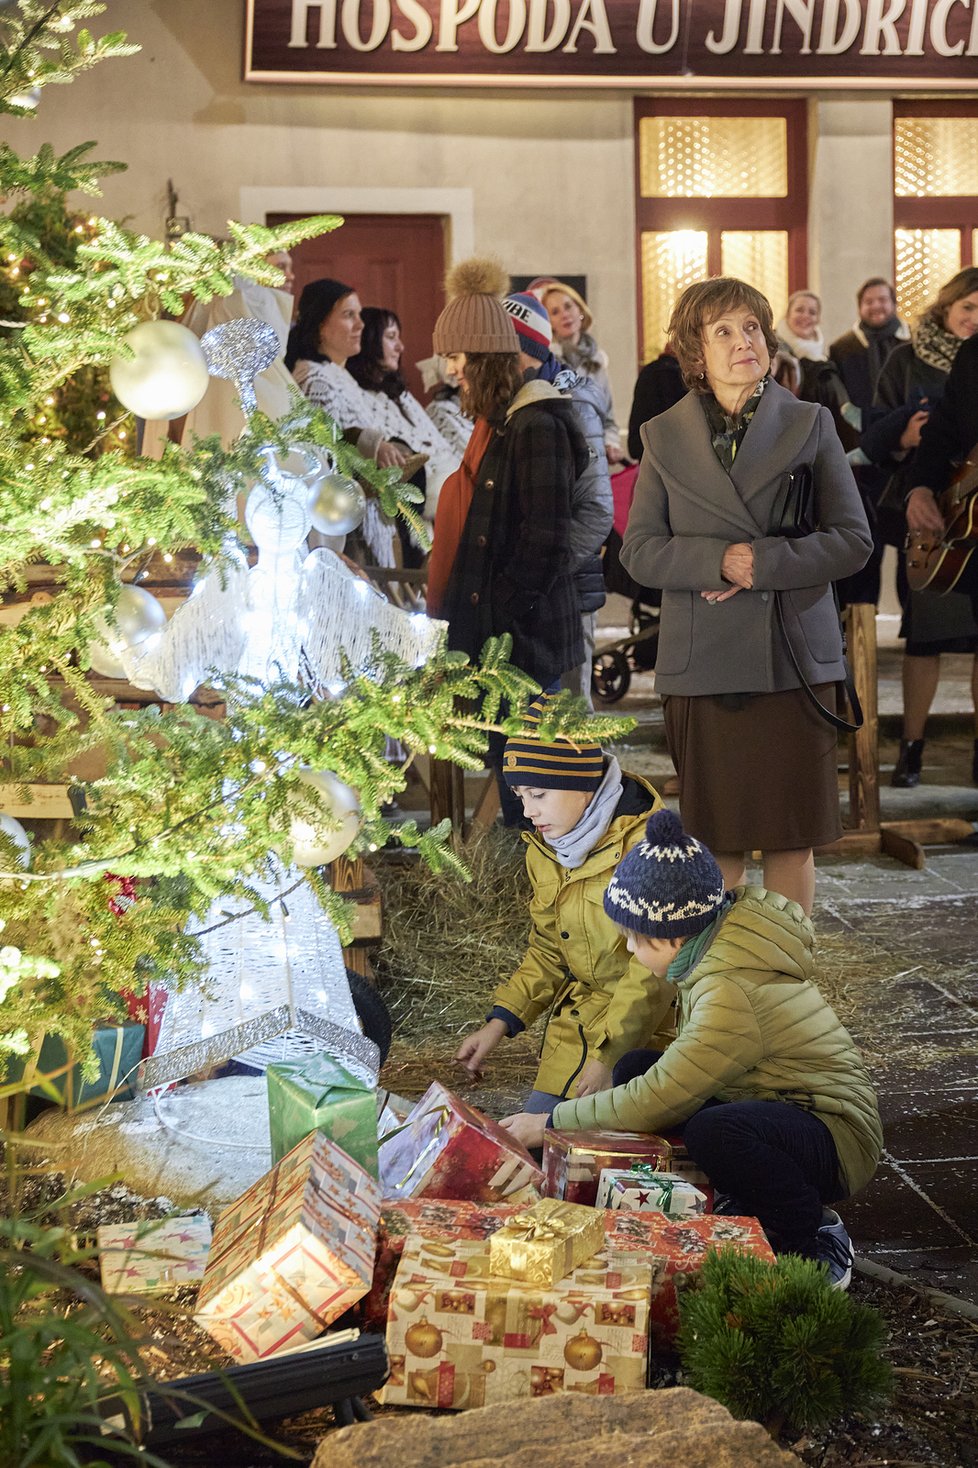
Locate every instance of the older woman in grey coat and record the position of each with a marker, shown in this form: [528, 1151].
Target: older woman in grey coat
[748, 615]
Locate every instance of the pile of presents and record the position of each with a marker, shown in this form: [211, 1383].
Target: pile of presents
[492, 1277]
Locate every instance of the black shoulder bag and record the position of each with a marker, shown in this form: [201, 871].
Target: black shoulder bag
[794, 515]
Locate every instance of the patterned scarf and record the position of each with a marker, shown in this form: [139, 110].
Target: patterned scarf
[728, 430]
[933, 345]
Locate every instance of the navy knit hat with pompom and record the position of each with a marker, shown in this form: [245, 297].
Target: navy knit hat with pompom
[669, 886]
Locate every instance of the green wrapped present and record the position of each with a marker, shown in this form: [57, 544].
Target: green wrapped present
[319, 1095]
[54, 1075]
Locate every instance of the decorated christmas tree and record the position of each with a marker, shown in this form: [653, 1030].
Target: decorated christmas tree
[195, 822]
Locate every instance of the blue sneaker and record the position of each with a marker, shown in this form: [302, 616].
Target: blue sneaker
[834, 1248]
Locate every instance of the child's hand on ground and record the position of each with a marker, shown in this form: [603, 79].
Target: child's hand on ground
[475, 1047]
[526, 1127]
[594, 1077]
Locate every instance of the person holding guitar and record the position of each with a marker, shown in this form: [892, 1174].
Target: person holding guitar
[942, 516]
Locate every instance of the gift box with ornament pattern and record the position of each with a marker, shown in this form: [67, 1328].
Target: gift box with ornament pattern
[292, 1253]
[458, 1337]
[447, 1149]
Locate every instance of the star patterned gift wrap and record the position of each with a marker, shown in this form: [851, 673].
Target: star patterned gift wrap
[147, 1258]
[435, 1218]
[447, 1149]
[292, 1254]
[643, 1188]
[544, 1243]
[678, 1248]
[573, 1161]
[458, 1338]
[318, 1094]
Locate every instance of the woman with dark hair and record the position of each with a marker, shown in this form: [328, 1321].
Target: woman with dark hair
[327, 333]
[911, 385]
[396, 412]
[749, 634]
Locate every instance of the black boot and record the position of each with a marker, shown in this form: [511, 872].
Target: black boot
[906, 772]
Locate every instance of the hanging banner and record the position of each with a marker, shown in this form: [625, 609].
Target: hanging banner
[614, 43]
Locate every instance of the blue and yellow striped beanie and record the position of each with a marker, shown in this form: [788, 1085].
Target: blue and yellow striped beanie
[557, 766]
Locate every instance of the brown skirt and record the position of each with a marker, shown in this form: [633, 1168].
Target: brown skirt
[760, 778]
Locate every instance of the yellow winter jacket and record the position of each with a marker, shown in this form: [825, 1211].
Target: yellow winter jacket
[752, 1026]
[602, 1002]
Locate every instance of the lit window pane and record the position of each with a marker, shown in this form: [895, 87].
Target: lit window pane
[761, 258]
[670, 262]
[925, 260]
[935, 156]
[713, 157]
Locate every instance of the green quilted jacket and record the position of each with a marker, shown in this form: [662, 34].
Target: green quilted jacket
[752, 1026]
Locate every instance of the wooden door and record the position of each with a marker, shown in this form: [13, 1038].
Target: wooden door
[392, 260]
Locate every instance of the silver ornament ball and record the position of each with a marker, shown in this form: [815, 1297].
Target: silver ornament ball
[166, 376]
[337, 505]
[315, 845]
[138, 616]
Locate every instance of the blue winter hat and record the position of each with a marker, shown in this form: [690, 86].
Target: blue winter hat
[669, 886]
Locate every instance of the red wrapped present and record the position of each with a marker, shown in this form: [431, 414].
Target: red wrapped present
[292, 1254]
[447, 1149]
[679, 1246]
[439, 1219]
[573, 1161]
[459, 1337]
[147, 1009]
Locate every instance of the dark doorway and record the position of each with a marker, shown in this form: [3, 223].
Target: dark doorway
[393, 260]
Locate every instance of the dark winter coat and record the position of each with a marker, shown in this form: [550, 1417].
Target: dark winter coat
[658, 386]
[513, 571]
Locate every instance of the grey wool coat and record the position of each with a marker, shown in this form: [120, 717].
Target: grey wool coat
[686, 512]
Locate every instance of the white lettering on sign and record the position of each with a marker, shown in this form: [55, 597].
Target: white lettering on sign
[736, 27]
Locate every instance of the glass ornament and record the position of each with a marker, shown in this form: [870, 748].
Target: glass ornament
[138, 616]
[337, 505]
[316, 846]
[166, 376]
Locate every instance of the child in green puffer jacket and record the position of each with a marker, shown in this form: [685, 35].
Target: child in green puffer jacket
[769, 1089]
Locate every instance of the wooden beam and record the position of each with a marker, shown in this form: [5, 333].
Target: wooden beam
[864, 791]
[46, 803]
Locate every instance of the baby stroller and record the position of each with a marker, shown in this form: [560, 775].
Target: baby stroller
[613, 666]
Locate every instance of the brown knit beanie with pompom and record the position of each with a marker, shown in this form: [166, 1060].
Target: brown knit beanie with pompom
[475, 319]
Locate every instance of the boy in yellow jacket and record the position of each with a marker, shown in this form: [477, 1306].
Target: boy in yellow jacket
[771, 1093]
[602, 1002]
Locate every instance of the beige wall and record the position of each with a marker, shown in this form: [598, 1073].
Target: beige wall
[542, 180]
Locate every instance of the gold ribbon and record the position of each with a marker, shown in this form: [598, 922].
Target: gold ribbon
[529, 1228]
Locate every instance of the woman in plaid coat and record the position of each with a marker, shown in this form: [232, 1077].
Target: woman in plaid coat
[502, 559]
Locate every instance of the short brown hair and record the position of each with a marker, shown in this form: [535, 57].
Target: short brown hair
[965, 283]
[702, 303]
[492, 381]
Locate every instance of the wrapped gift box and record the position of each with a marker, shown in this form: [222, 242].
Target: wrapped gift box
[148, 1257]
[678, 1247]
[441, 1219]
[56, 1075]
[292, 1254]
[643, 1188]
[544, 1243]
[317, 1094]
[573, 1161]
[447, 1149]
[457, 1337]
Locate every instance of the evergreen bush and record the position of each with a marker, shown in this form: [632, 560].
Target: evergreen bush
[777, 1344]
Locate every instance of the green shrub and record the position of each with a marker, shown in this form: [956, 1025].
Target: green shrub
[777, 1344]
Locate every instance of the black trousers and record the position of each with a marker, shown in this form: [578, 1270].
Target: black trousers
[774, 1161]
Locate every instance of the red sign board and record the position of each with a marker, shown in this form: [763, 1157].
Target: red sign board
[608, 43]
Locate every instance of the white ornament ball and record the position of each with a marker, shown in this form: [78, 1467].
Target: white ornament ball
[337, 505]
[166, 377]
[15, 832]
[315, 845]
[138, 616]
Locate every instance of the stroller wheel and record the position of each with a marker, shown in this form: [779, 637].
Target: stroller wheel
[610, 676]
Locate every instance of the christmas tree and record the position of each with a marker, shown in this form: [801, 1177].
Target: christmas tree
[191, 812]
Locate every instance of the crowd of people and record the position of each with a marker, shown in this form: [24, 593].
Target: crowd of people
[771, 468]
